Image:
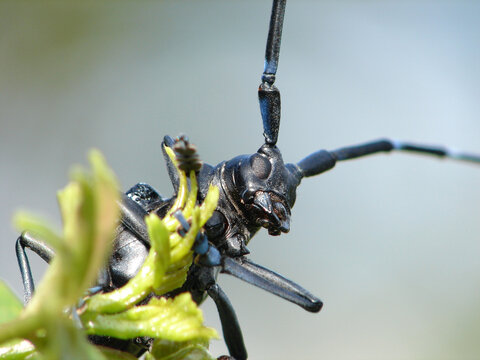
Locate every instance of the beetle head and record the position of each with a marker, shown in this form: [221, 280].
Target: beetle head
[263, 188]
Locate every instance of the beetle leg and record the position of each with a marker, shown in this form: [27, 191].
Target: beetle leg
[206, 281]
[185, 226]
[272, 282]
[208, 254]
[230, 325]
[39, 248]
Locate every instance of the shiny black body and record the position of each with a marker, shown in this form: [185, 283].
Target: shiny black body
[255, 191]
[245, 205]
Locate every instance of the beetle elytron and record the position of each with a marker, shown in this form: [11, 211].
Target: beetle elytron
[257, 190]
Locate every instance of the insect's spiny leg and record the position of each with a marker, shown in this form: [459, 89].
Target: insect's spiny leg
[230, 325]
[268, 94]
[38, 247]
[274, 283]
[183, 222]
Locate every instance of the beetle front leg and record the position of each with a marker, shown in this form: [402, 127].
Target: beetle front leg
[39, 248]
[232, 332]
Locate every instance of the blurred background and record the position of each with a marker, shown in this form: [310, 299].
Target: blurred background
[390, 243]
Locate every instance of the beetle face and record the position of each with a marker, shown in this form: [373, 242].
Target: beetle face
[270, 211]
[262, 188]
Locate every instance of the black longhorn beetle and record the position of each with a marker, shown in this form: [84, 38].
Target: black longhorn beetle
[256, 190]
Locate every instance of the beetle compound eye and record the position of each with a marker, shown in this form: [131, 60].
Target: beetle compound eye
[216, 225]
[261, 166]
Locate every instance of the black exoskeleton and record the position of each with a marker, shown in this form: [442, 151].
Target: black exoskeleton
[256, 190]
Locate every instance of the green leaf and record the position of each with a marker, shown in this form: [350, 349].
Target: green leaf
[159, 238]
[10, 305]
[177, 319]
[112, 354]
[16, 350]
[40, 228]
[188, 350]
[150, 276]
[90, 216]
[66, 341]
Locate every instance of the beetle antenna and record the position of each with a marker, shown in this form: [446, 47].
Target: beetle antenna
[324, 160]
[268, 94]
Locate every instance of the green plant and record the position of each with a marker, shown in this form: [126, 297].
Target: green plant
[57, 320]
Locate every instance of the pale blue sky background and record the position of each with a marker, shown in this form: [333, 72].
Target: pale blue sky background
[389, 243]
